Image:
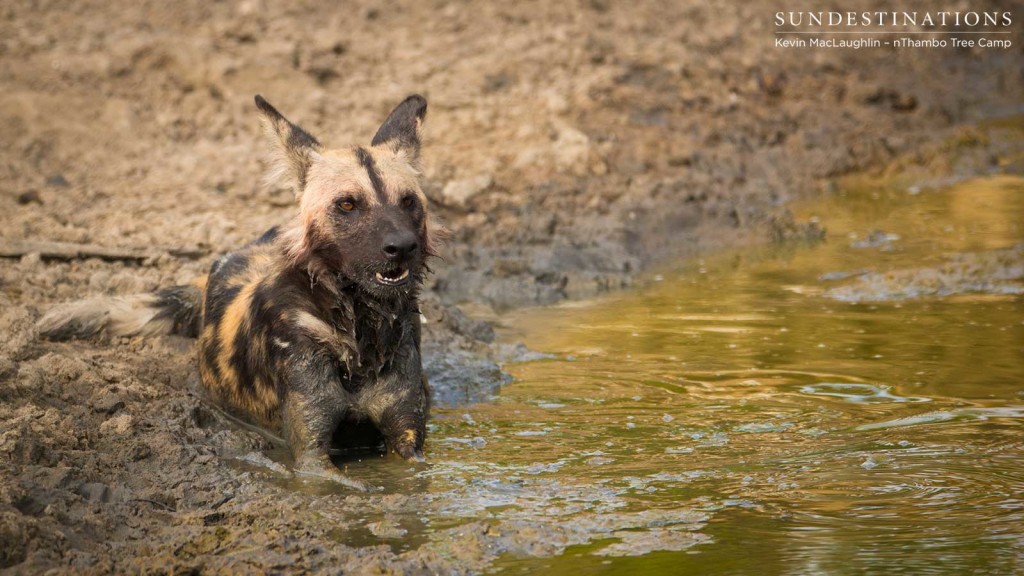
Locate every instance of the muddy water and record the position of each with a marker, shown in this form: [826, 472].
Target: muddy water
[849, 407]
[855, 406]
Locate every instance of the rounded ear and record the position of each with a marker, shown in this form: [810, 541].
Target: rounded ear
[294, 147]
[401, 129]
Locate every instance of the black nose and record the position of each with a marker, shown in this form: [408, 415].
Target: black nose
[400, 245]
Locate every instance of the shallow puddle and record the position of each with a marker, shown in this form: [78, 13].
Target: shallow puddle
[850, 407]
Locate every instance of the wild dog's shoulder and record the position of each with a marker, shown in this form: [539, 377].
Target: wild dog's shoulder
[299, 311]
[253, 261]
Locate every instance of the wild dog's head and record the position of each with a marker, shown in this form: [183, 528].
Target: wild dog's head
[362, 213]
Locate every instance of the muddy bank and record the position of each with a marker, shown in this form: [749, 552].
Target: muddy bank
[591, 140]
[979, 273]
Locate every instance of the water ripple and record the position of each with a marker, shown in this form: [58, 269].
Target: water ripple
[858, 393]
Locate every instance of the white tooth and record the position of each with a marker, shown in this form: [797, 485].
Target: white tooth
[387, 280]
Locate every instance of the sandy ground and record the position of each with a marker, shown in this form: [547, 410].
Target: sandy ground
[568, 145]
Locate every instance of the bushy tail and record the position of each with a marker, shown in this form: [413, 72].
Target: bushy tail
[174, 310]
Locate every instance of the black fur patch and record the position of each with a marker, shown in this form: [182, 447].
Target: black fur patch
[297, 137]
[402, 125]
[267, 237]
[179, 304]
[210, 352]
[217, 300]
[366, 160]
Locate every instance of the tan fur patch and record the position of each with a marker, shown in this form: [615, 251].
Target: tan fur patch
[409, 436]
[322, 332]
[227, 331]
[398, 174]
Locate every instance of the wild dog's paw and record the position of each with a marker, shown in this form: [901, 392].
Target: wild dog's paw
[408, 447]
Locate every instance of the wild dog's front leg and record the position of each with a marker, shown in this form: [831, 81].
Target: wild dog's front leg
[314, 404]
[398, 404]
[404, 428]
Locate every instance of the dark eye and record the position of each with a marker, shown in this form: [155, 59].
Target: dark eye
[409, 202]
[346, 205]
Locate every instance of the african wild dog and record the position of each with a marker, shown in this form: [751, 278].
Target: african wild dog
[312, 329]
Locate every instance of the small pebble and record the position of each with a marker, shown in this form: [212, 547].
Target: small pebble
[30, 197]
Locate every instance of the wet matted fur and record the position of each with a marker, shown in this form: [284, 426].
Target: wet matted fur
[313, 329]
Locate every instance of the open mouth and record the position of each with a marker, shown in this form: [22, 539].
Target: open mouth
[393, 277]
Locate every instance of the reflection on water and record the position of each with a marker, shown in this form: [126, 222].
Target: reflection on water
[851, 407]
[737, 416]
[857, 392]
